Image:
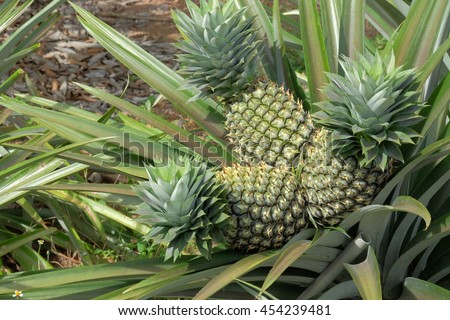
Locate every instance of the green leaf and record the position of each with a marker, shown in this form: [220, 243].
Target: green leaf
[413, 44]
[439, 104]
[383, 16]
[417, 289]
[265, 31]
[432, 62]
[18, 241]
[411, 205]
[105, 211]
[9, 12]
[288, 255]
[185, 137]
[122, 189]
[31, 211]
[45, 155]
[351, 252]
[61, 213]
[341, 291]
[366, 276]
[134, 142]
[330, 17]
[137, 269]
[6, 84]
[33, 175]
[96, 161]
[438, 230]
[351, 37]
[155, 74]
[181, 275]
[234, 271]
[24, 38]
[316, 60]
[431, 153]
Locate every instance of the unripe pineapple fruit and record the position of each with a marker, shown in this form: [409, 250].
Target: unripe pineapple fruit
[268, 124]
[334, 186]
[266, 204]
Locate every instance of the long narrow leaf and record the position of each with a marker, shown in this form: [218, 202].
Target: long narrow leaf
[15, 242]
[366, 276]
[129, 140]
[265, 31]
[438, 230]
[106, 211]
[234, 271]
[330, 15]
[353, 250]
[68, 227]
[137, 269]
[287, 257]
[45, 155]
[417, 289]
[351, 37]
[414, 44]
[316, 60]
[185, 137]
[155, 73]
[383, 16]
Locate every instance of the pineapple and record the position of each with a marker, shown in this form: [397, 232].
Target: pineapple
[365, 122]
[268, 125]
[266, 205]
[183, 202]
[334, 186]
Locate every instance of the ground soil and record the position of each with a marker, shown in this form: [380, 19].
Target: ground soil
[69, 54]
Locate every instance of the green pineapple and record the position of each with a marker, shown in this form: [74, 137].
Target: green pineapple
[367, 120]
[334, 186]
[266, 204]
[268, 125]
[183, 201]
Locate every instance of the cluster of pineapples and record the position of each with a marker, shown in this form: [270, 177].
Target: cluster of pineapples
[293, 168]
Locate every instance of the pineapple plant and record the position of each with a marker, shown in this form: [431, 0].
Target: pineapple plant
[182, 201]
[362, 126]
[344, 154]
[408, 251]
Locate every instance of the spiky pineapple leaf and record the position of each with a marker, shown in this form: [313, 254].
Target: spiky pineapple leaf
[183, 202]
[371, 109]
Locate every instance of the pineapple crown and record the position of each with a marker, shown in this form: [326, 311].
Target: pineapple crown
[182, 202]
[371, 109]
[221, 50]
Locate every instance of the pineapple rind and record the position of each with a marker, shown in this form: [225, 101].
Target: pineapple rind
[266, 206]
[268, 125]
[334, 186]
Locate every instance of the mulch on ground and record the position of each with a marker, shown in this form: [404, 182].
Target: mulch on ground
[69, 54]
